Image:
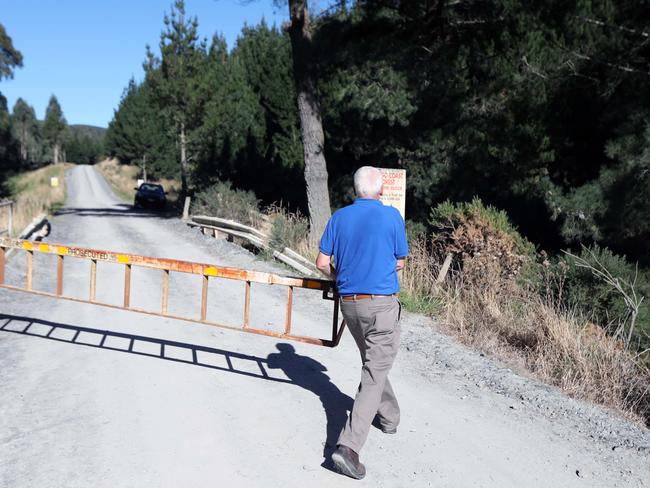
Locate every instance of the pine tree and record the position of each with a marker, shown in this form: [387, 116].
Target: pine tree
[135, 128]
[233, 125]
[10, 57]
[54, 127]
[9, 155]
[176, 81]
[265, 55]
[25, 126]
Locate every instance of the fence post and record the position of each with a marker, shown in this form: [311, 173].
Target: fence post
[11, 219]
[186, 208]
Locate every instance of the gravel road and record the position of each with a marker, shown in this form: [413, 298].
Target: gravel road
[92, 396]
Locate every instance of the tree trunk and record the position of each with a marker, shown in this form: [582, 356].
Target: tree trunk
[183, 144]
[23, 144]
[311, 124]
[144, 167]
[56, 153]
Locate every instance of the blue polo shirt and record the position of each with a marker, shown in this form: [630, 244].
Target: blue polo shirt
[365, 240]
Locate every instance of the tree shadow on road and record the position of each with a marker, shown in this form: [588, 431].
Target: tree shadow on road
[309, 374]
[117, 210]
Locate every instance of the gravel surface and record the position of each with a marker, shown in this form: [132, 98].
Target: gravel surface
[99, 397]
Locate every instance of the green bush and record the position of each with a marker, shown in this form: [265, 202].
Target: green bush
[488, 248]
[598, 300]
[447, 216]
[287, 229]
[222, 200]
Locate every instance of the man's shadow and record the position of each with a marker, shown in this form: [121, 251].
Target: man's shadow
[310, 375]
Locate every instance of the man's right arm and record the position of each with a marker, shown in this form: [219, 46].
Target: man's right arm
[324, 264]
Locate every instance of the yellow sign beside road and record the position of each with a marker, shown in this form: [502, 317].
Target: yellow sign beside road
[54, 182]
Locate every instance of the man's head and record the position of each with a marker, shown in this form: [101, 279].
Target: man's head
[368, 183]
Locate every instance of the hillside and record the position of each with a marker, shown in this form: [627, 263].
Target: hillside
[93, 132]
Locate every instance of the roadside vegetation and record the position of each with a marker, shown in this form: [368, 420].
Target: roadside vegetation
[123, 179]
[284, 228]
[33, 194]
[576, 321]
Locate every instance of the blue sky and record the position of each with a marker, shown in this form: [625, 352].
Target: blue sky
[85, 51]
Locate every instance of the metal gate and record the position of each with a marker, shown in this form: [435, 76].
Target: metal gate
[205, 271]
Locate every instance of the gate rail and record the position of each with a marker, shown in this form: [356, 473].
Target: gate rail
[206, 271]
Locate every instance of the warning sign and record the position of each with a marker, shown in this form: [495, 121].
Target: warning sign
[394, 189]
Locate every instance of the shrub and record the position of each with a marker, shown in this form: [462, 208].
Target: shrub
[483, 241]
[579, 287]
[288, 230]
[558, 345]
[222, 200]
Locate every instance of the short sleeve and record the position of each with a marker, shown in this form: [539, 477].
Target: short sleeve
[401, 244]
[327, 240]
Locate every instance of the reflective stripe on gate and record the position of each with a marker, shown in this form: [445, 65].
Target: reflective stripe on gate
[206, 271]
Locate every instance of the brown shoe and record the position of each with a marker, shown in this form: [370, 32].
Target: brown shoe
[347, 462]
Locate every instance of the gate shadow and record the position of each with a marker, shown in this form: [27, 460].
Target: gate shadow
[302, 371]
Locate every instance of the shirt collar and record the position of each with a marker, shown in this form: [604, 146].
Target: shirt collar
[368, 200]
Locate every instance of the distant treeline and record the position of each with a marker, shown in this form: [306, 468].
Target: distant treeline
[35, 142]
[540, 109]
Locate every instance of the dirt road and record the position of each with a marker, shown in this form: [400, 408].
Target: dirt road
[117, 399]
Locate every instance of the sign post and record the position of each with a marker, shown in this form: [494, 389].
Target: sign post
[394, 189]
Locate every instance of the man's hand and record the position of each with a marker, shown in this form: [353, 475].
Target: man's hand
[324, 264]
[400, 264]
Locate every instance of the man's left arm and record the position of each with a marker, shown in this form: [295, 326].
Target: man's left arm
[401, 243]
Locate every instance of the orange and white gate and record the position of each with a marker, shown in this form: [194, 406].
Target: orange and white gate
[205, 272]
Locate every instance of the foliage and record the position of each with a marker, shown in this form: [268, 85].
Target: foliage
[10, 57]
[287, 229]
[177, 82]
[482, 240]
[9, 155]
[222, 200]
[137, 133]
[585, 291]
[25, 129]
[82, 149]
[54, 126]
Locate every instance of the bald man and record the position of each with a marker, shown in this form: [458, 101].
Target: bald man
[362, 248]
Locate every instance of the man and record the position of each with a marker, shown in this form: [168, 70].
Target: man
[363, 247]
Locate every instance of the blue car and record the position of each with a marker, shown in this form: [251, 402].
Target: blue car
[150, 195]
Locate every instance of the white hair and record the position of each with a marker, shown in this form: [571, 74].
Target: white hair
[367, 182]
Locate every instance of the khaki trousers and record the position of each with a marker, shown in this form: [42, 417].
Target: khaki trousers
[374, 324]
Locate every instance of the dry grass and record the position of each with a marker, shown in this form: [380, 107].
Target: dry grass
[123, 178]
[34, 195]
[283, 228]
[489, 306]
[419, 290]
[287, 229]
[558, 346]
